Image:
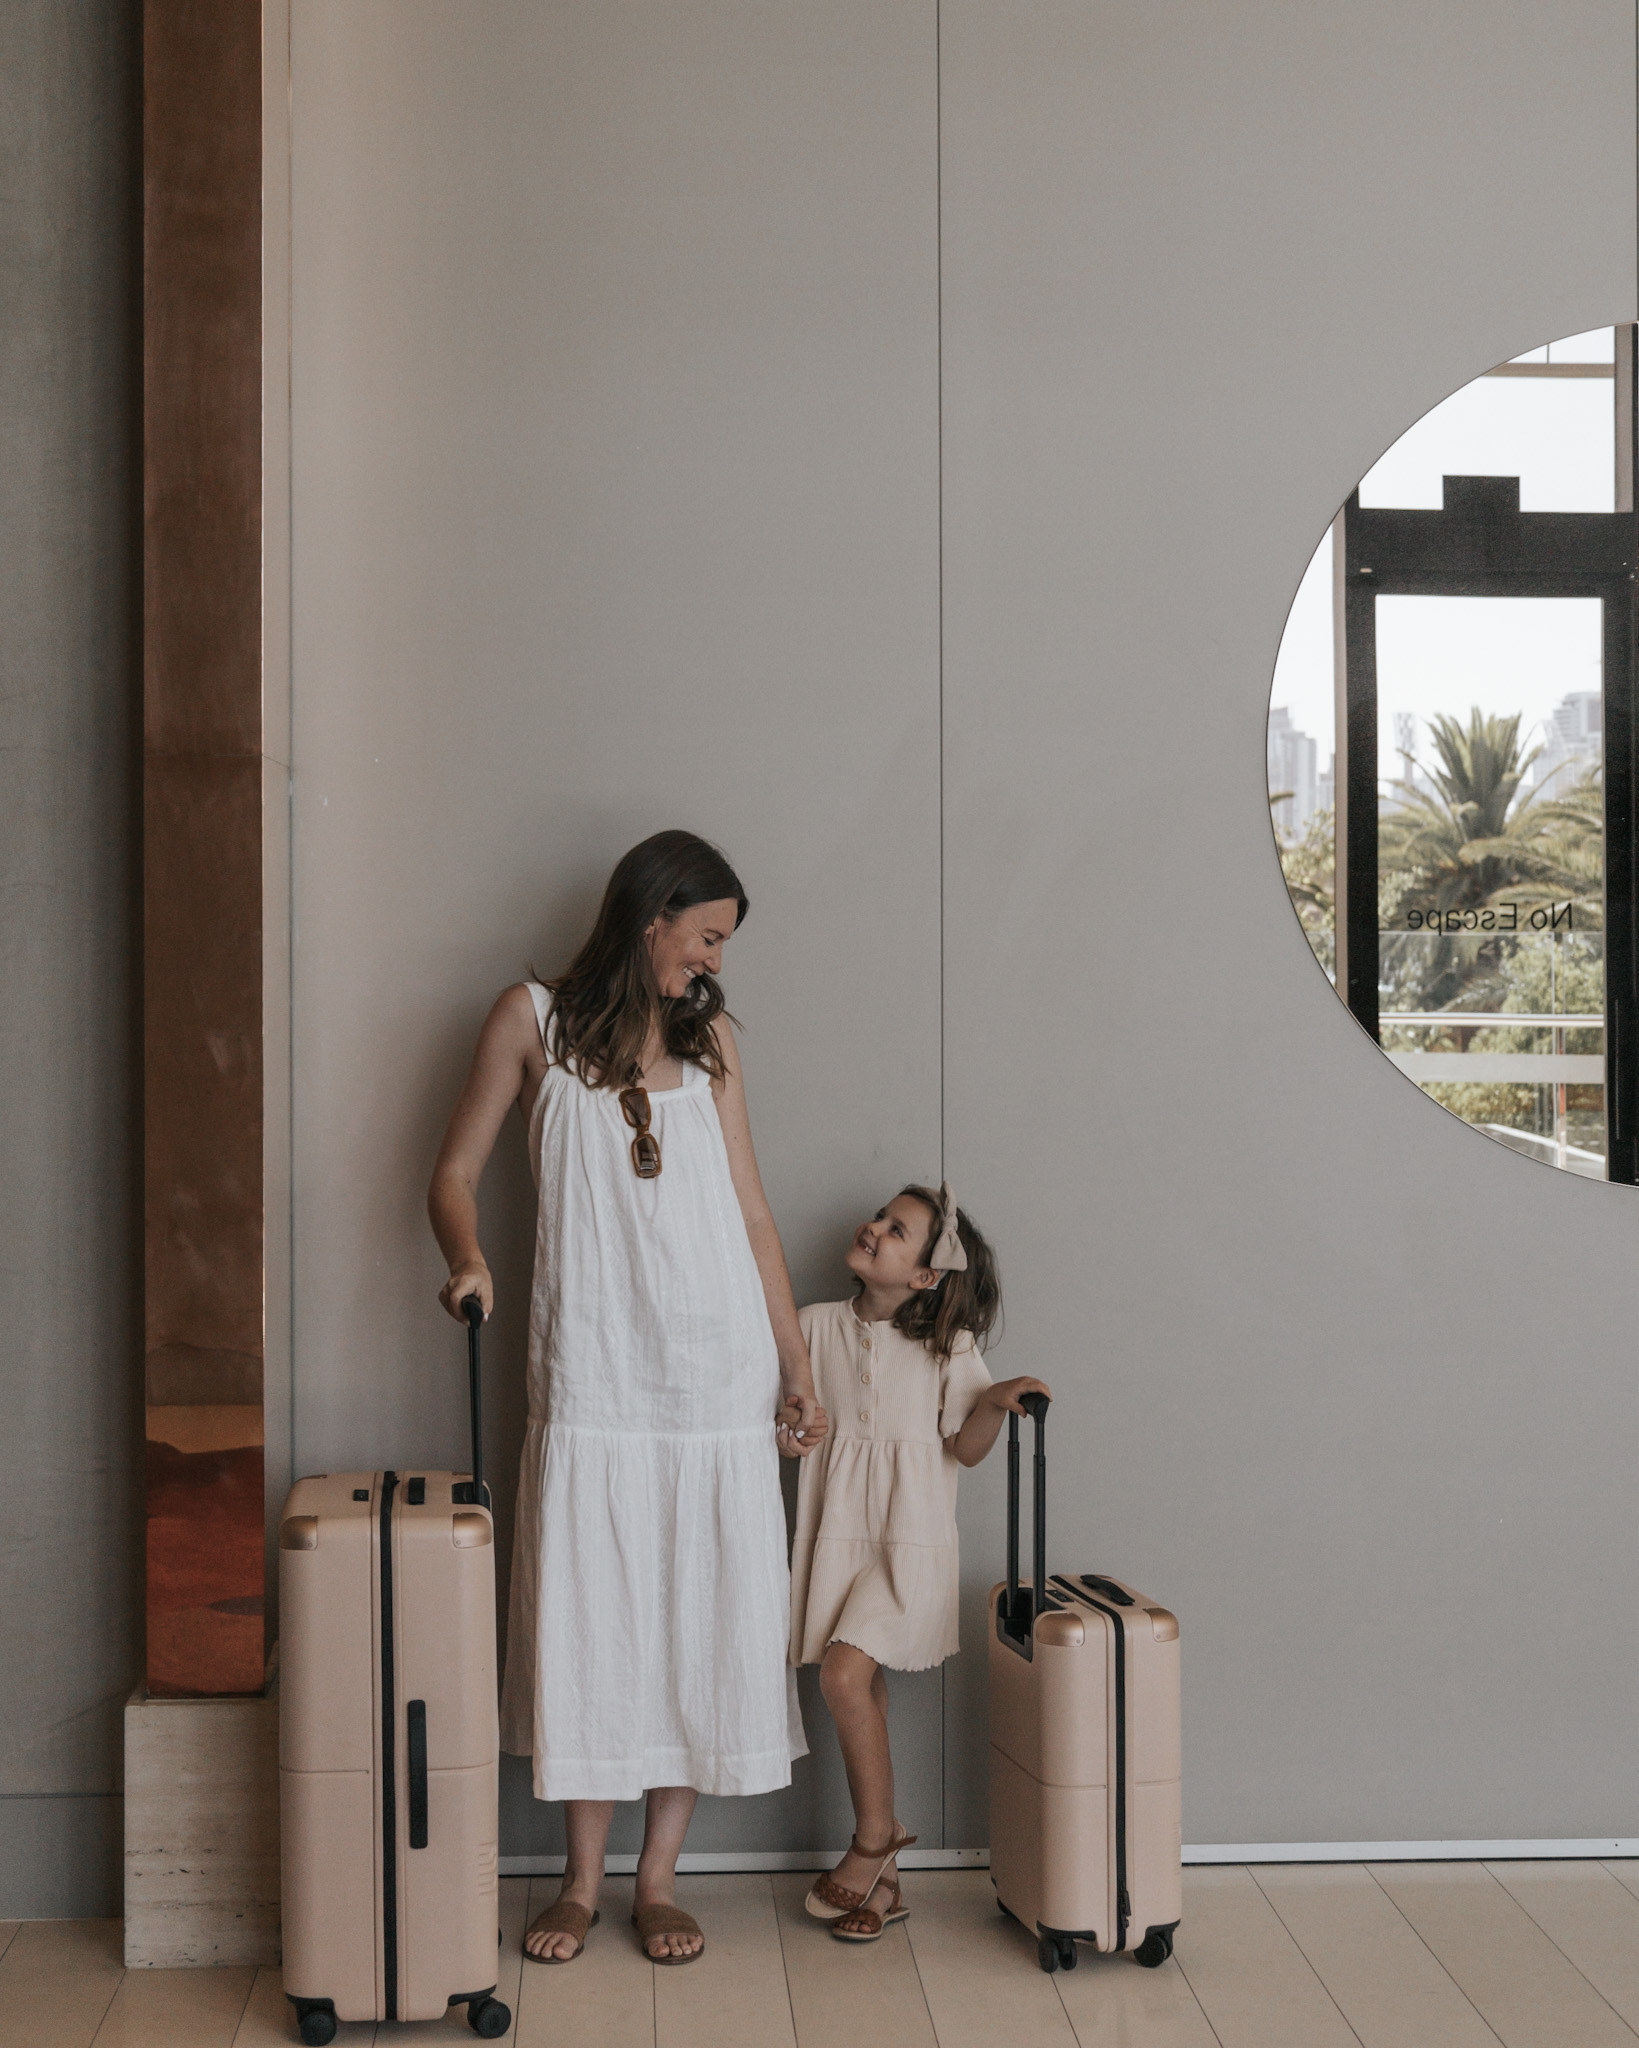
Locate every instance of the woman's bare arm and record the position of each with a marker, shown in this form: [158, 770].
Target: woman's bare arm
[796, 1373]
[500, 1067]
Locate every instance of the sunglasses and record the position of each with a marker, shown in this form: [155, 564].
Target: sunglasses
[634, 1107]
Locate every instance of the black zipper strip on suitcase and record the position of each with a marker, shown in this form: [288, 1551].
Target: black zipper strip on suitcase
[389, 1763]
[1123, 1903]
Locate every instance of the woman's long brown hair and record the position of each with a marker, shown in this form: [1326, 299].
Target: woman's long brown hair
[937, 1316]
[604, 1006]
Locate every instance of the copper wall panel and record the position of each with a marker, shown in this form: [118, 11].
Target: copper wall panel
[202, 804]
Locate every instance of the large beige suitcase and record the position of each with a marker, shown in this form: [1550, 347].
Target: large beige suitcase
[389, 1747]
[1084, 1750]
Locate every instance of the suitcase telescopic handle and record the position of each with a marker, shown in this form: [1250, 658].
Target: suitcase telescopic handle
[1020, 1621]
[473, 1309]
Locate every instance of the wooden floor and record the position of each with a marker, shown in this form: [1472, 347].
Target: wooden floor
[1397, 1955]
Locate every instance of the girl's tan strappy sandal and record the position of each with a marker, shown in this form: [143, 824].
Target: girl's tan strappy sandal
[863, 1924]
[830, 1901]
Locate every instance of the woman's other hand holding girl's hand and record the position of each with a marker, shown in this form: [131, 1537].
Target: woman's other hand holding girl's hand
[979, 1432]
[800, 1426]
[472, 1276]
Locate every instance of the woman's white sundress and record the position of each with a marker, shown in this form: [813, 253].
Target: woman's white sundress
[650, 1595]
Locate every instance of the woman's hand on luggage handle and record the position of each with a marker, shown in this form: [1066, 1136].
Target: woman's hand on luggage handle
[973, 1441]
[472, 1276]
[800, 1426]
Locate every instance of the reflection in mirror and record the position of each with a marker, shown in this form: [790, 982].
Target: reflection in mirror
[1453, 755]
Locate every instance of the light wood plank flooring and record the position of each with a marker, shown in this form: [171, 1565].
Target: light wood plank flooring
[1397, 1955]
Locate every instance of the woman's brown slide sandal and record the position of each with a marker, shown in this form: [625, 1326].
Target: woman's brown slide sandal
[563, 1916]
[652, 1921]
[828, 1900]
[864, 1925]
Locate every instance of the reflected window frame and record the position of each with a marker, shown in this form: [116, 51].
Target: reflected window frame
[1480, 544]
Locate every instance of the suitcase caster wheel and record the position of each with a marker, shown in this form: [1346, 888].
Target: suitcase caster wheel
[1067, 1953]
[1047, 1953]
[488, 2018]
[1154, 1949]
[317, 2026]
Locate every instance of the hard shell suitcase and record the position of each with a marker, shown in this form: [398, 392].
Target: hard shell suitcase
[1084, 1749]
[389, 1744]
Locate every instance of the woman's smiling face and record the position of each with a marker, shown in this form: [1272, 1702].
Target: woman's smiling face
[888, 1251]
[690, 944]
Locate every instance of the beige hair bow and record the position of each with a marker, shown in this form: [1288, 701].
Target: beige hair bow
[947, 1255]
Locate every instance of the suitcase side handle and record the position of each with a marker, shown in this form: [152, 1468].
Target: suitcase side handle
[473, 1310]
[1019, 1614]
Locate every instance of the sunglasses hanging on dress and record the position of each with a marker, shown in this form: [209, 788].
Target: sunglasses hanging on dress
[634, 1107]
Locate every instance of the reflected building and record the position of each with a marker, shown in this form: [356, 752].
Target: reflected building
[1294, 763]
[1572, 741]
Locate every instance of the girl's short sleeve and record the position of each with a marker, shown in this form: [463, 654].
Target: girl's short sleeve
[962, 1379]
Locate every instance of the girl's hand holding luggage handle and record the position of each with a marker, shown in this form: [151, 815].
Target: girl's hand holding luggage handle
[977, 1435]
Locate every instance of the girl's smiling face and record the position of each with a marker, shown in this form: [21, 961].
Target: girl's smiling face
[887, 1252]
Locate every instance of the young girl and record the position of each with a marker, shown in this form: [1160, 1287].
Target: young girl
[874, 1576]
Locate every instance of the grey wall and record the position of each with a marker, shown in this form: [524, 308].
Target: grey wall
[646, 469]
[1347, 1384]
[615, 480]
[70, 1363]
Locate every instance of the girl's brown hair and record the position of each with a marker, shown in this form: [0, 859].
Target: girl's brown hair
[937, 1316]
[604, 1006]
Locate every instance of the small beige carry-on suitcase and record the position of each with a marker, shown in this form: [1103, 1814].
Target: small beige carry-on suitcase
[389, 1745]
[1084, 1750]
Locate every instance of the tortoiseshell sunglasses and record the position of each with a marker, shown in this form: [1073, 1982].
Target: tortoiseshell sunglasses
[634, 1107]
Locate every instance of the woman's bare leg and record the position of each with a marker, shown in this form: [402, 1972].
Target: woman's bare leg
[665, 1822]
[857, 1694]
[586, 1823]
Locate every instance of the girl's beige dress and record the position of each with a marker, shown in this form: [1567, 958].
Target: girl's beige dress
[874, 1563]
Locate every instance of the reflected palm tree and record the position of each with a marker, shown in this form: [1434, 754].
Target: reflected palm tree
[1465, 834]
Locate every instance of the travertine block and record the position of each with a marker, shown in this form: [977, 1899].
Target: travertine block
[201, 1831]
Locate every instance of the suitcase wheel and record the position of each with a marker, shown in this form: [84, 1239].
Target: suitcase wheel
[1154, 1949]
[316, 2023]
[1055, 1951]
[488, 2018]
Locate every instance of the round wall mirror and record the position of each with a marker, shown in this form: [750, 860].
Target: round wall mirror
[1453, 753]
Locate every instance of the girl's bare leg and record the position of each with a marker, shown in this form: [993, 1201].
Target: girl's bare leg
[586, 1822]
[857, 1694]
[665, 1823]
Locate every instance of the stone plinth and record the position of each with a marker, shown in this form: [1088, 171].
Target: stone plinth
[201, 1831]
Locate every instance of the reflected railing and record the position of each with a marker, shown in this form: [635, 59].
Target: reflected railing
[1547, 1069]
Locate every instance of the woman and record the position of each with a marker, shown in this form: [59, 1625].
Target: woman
[650, 1601]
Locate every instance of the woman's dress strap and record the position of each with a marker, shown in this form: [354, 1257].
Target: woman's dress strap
[541, 997]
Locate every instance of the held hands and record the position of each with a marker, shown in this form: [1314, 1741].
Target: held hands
[472, 1276]
[800, 1426]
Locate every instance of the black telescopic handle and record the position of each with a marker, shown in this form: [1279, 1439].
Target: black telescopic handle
[1037, 1405]
[1012, 1515]
[473, 1309]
